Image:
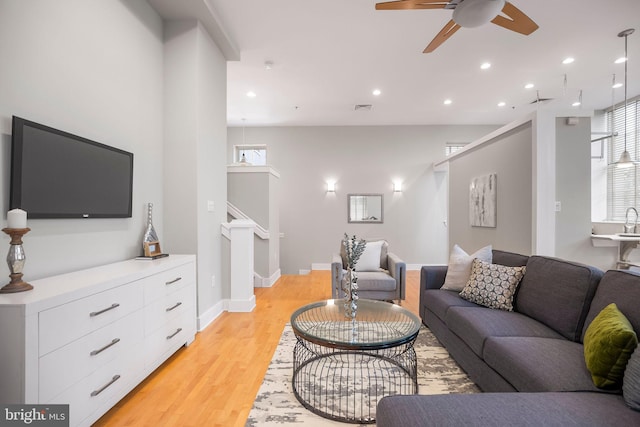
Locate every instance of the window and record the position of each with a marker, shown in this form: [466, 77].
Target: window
[452, 147]
[623, 183]
[254, 154]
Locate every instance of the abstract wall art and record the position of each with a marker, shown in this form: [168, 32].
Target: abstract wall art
[482, 201]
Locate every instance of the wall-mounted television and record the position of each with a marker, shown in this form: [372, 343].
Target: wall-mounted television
[55, 174]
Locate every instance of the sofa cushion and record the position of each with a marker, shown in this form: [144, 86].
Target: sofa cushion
[506, 409]
[608, 344]
[622, 288]
[492, 285]
[439, 301]
[459, 267]
[631, 382]
[533, 364]
[375, 281]
[475, 324]
[510, 259]
[557, 293]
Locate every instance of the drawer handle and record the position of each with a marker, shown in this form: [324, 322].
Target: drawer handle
[171, 282]
[97, 313]
[94, 393]
[100, 350]
[178, 304]
[174, 334]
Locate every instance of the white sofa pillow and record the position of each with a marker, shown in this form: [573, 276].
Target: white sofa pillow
[459, 268]
[370, 258]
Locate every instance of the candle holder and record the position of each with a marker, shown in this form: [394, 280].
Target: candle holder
[15, 260]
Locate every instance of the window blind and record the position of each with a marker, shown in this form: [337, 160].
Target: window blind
[623, 183]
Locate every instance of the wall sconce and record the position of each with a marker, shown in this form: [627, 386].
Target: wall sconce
[331, 186]
[397, 186]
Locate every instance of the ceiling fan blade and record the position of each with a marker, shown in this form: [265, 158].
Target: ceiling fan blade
[446, 32]
[412, 4]
[515, 20]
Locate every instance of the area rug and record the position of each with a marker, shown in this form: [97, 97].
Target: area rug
[276, 405]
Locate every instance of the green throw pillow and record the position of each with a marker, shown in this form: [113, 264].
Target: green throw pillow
[608, 344]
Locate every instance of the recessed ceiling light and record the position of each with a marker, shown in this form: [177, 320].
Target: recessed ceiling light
[568, 60]
[620, 60]
[501, 104]
[447, 102]
[529, 86]
[576, 104]
[377, 92]
[251, 94]
[617, 85]
[485, 66]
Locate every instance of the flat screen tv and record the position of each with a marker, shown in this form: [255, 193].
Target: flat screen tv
[55, 174]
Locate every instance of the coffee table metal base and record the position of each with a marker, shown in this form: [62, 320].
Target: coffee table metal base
[346, 385]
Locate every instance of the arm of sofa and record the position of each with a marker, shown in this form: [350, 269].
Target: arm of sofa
[336, 277]
[432, 276]
[398, 270]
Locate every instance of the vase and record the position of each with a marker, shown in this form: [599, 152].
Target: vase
[350, 288]
[150, 235]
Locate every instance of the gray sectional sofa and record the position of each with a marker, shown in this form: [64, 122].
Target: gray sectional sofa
[535, 350]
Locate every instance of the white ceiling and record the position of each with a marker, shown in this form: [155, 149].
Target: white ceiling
[328, 56]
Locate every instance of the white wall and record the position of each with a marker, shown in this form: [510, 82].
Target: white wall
[195, 155]
[94, 69]
[360, 160]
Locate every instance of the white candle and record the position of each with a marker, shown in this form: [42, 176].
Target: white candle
[16, 218]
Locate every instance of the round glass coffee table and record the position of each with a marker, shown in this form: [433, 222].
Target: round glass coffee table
[343, 367]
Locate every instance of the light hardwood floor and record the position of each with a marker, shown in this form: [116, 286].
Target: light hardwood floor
[214, 381]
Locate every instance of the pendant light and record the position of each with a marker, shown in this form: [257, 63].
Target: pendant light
[625, 160]
[243, 161]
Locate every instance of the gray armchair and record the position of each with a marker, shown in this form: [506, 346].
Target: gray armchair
[386, 283]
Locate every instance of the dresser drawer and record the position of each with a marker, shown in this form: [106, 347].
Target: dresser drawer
[169, 307]
[60, 325]
[65, 366]
[170, 337]
[168, 281]
[110, 382]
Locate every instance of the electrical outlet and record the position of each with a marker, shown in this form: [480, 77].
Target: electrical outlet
[558, 206]
[213, 281]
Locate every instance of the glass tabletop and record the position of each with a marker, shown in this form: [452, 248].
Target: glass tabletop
[377, 324]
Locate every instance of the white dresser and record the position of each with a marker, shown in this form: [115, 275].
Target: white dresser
[89, 337]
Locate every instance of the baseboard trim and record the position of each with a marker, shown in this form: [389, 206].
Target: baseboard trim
[327, 266]
[241, 306]
[266, 282]
[207, 318]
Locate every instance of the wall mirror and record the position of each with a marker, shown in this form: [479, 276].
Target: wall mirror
[365, 208]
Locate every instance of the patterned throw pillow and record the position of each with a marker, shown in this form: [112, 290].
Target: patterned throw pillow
[492, 285]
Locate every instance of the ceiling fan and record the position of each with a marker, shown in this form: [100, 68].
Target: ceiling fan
[468, 14]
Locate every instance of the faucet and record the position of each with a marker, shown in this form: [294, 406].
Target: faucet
[630, 227]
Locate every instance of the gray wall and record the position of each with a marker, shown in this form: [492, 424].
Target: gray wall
[255, 192]
[509, 156]
[94, 69]
[573, 191]
[573, 188]
[195, 157]
[360, 160]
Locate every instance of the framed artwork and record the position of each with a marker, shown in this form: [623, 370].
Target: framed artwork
[482, 201]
